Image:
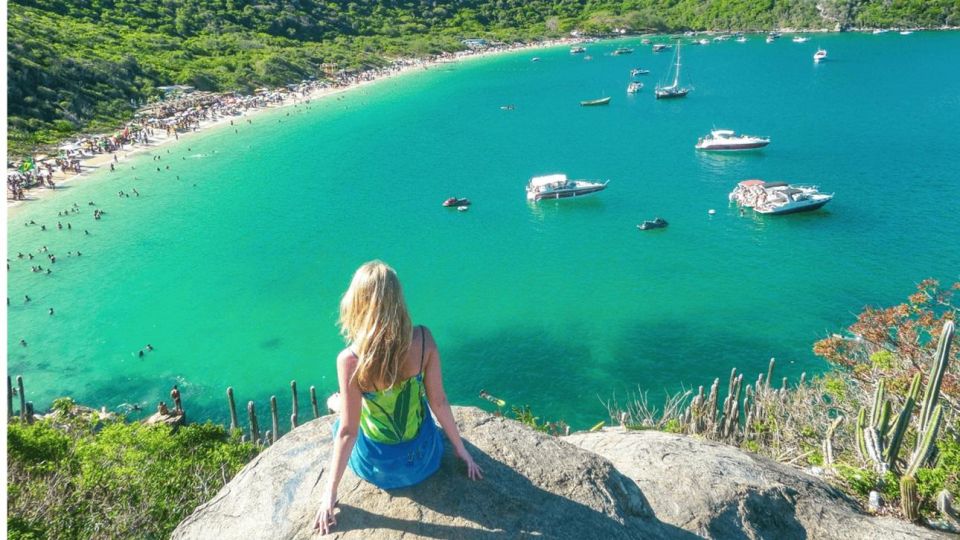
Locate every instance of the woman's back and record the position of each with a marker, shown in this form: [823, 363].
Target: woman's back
[395, 414]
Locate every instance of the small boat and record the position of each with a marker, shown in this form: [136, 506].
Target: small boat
[637, 71]
[742, 39]
[558, 186]
[879, 31]
[507, 107]
[703, 42]
[588, 57]
[906, 32]
[634, 87]
[726, 139]
[577, 50]
[644, 41]
[622, 50]
[674, 90]
[655, 223]
[535, 59]
[458, 202]
[800, 39]
[820, 55]
[659, 47]
[778, 198]
[463, 208]
[595, 102]
[770, 39]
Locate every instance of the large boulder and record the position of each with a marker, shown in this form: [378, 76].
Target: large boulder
[718, 491]
[533, 485]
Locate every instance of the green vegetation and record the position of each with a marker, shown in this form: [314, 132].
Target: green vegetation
[79, 476]
[885, 417]
[86, 65]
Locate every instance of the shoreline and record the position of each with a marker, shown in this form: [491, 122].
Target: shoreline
[403, 66]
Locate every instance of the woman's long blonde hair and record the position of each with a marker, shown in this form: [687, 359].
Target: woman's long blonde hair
[376, 325]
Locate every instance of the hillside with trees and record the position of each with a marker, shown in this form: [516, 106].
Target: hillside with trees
[77, 65]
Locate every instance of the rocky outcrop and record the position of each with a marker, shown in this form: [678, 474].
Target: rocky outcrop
[651, 485]
[718, 491]
[534, 485]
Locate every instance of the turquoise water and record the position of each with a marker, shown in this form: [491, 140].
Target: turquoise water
[233, 272]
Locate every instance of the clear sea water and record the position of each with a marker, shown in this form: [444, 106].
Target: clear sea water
[234, 272]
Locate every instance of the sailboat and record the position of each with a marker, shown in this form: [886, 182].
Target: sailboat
[674, 90]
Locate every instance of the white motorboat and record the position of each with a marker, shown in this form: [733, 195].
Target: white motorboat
[726, 140]
[634, 87]
[742, 39]
[577, 50]
[558, 186]
[770, 39]
[820, 55]
[906, 32]
[657, 47]
[778, 198]
[800, 39]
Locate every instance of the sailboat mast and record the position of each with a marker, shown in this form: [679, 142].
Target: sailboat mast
[676, 79]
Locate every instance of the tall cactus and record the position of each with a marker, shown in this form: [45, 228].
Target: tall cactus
[861, 442]
[878, 398]
[925, 442]
[909, 502]
[900, 428]
[932, 392]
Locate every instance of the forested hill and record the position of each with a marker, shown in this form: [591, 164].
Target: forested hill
[86, 64]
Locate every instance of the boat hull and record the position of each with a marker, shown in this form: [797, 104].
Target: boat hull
[671, 95]
[795, 209]
[733, 147]
[595, 102]
[567, 194]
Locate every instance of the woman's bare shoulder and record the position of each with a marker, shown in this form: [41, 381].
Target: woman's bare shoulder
[346, 359]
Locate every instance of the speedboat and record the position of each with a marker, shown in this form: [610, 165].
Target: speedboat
[703, 41]
[595, 102]
[658, 47]
[820, 55]
[535, 59]
[508, 107]
[906, 32]
[770, 39]
[634, 87]
[727, 139]
[577, 50]
[800, 39]
[655, 223]
[456, 202]
[742, 39]
[777, 198]
[622, 50]
[637, 71]
[558, 186]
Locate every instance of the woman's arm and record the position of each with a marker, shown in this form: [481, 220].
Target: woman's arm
[346, 436]
[433, 380]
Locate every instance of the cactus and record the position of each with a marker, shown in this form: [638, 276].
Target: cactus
[878, 396]
[313, 402]
[254, 426]
[861, 425]
[295, 406]
[926, 442]
[803, 379]
[770, 372]
[828, 441]
[945, 507]
[883, 425]
[900, 428]
[233, 409]
[909, 502]
[932, 392]
[275, 420]
[874, 447]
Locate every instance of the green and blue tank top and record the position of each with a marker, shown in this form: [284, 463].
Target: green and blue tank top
[395, 415]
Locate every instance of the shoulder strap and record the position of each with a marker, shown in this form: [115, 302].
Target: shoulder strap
[423, 346]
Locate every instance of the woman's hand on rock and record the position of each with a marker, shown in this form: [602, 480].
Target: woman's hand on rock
[325, 520]
[473, 470]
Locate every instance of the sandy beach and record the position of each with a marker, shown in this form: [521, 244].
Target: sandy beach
[92, 164]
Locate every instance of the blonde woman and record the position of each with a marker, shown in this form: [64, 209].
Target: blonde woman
[388, 374]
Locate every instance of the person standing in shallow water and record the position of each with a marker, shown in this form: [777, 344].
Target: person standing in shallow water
[388, 366]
